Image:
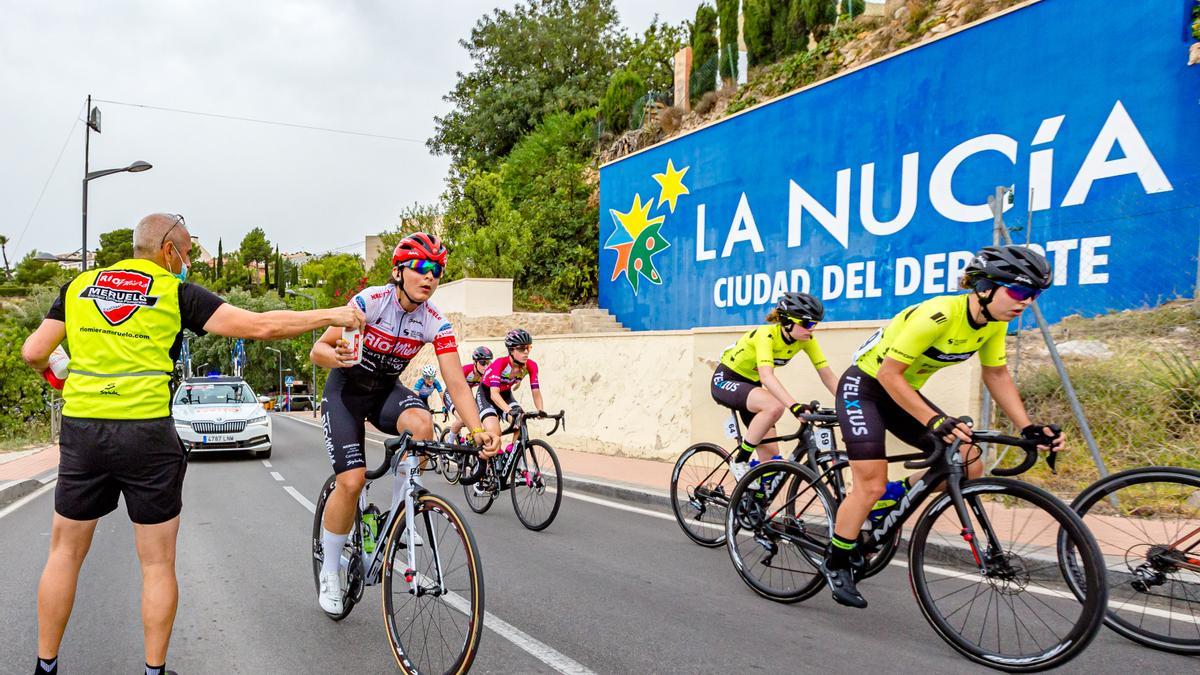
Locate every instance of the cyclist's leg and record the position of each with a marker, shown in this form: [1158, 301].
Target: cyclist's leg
[488, 415]
[404, 410]
[342, 415]
[760, 409]
[863, 427]
[911, 431]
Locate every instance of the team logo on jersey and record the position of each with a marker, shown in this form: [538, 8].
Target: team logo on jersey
[120, 293]
[636, 237]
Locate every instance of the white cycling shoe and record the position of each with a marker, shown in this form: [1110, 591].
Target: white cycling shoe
[738, 469]
[330, 597]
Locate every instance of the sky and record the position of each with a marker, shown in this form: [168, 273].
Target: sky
[375, 67]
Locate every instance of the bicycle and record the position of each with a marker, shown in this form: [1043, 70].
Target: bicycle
[381, 547]
[1147, 523]
[965, 537]
[524, 472]
[703, 472]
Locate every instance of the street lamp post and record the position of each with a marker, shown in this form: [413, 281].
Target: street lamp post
[314, 341]
[278, 354]
[93, 124]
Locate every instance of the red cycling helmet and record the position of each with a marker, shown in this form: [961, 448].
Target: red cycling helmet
[420, 246]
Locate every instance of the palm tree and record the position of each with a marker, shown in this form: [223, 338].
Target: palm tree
[4, 251]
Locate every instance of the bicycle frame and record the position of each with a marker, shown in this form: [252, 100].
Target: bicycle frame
[520, 442]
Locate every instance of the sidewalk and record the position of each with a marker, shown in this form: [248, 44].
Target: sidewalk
[24, 471]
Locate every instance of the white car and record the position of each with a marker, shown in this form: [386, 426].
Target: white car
[221, 413]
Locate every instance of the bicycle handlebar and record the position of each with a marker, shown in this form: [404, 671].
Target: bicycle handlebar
[405, 443]
[559, 419]
[1029, 445]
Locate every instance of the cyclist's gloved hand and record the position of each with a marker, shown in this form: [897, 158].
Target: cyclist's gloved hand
[1037, 432]
[945, 427]
[799, 409]
[514, 410]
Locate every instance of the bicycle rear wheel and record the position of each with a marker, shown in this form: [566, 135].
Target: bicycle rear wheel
[482, 493]
[1023, 615]
[700, 487]
[536, 485]
[1147, 524]
[353, 579]
[776, 538]
[435, 628]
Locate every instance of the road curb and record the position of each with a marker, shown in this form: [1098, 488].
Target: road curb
[622, 491]
[14, 490]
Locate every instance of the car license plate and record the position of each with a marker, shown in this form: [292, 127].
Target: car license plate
[228, 438]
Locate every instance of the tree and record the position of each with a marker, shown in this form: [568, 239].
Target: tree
[115, 246]
[415, 218]
[819, 15]
[280, 282]
[338, 277]
[704, 49]
[4, 251]
[795, 29]
[727, 14]
[255, 248]
[759, 17]
[32, 272]
[540, 57]
[652, 54]
[625, 89]
[220, 259]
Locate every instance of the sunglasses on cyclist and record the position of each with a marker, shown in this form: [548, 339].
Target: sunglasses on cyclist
[424, 267]
[806, 325]
[483, 362]
[1019, 292]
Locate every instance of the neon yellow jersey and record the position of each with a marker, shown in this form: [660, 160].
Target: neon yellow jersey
[930, 336]
[766, 346]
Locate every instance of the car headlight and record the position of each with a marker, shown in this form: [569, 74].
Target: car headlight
[257, 420]
[183, 424]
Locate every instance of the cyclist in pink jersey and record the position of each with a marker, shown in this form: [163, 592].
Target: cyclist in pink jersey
[494, 395]
[481, 358]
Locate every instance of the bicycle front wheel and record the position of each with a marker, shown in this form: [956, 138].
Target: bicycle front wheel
[433, 610]
[1147, 524]
[536, 485]
[481, 493]
[700, 487]
[1022, 614]
[776, 530]
[451, 469]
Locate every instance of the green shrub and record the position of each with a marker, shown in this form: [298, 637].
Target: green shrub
[704, 49]
[625, 88]
[758, 30]
[918, 11]
[1179, 379]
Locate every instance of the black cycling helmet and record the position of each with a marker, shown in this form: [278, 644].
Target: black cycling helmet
[1010, 265]
[481, 353]
[800, 306]
[517, 337]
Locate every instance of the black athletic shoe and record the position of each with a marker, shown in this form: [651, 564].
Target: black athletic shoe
[845, 591]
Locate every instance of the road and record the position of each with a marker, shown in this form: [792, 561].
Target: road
[608, 588]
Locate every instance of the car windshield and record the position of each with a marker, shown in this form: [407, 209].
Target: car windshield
[214, 393]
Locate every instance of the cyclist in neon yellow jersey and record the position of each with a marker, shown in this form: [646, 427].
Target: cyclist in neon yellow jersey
[745, 379]
[880, 392]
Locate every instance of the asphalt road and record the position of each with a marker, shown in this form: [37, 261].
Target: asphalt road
[608, 588]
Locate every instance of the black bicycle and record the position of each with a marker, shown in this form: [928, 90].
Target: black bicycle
[1147, 524]
[701, 487]
[1004, 572]
[424, 554]
[529, 471]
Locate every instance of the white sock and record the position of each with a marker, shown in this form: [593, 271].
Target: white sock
[332, 544]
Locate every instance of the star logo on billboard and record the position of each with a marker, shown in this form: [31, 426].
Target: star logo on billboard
[637, 237]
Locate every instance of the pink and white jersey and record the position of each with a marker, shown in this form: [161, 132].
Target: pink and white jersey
[473, 378]
[392, 336]
[503, 374]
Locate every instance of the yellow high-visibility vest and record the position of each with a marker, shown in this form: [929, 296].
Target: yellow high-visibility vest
[121, 323]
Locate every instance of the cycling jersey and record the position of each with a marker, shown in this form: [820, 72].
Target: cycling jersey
[424, 388]
[473, 377]
[392, 336]
[503, 374]
[930, 336]
[767, 346]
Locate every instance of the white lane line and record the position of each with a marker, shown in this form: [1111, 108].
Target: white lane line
[277, 476]
[312, 508]
[28, 498]
[531, 645]
[266, 463]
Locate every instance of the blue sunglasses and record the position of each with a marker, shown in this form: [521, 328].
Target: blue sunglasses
[424, 267]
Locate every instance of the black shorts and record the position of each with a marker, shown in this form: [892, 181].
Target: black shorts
[483, 399]
[101, 460]
[732, 391]
[346, 405]
[865, 411]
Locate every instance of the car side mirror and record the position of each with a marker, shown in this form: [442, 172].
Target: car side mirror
[264, 399]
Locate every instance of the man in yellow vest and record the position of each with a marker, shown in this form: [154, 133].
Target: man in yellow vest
[123, 325]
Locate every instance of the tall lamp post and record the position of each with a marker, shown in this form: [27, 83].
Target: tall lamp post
[314, 341]
[93, 124]
[279, 355]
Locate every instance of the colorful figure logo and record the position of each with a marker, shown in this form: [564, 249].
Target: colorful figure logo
[637, 237]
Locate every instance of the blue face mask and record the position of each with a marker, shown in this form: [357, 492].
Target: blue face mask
[183, 268]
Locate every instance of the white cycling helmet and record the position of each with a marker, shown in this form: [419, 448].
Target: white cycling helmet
[428, 372]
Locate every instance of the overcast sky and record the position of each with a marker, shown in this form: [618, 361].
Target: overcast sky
[377, 67]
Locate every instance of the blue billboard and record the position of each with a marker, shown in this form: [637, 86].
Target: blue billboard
[871, 190]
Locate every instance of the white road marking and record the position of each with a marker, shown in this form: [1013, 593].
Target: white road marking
[312, 508]
[266, 463]
[27, 498]
[277, 476]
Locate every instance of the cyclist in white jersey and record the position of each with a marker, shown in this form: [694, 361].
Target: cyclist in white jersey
[399, 322]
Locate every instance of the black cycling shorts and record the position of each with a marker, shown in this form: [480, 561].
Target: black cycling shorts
[345, 406]
[101, 460]
[865, 411]
[733, 391]
[483, 399]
